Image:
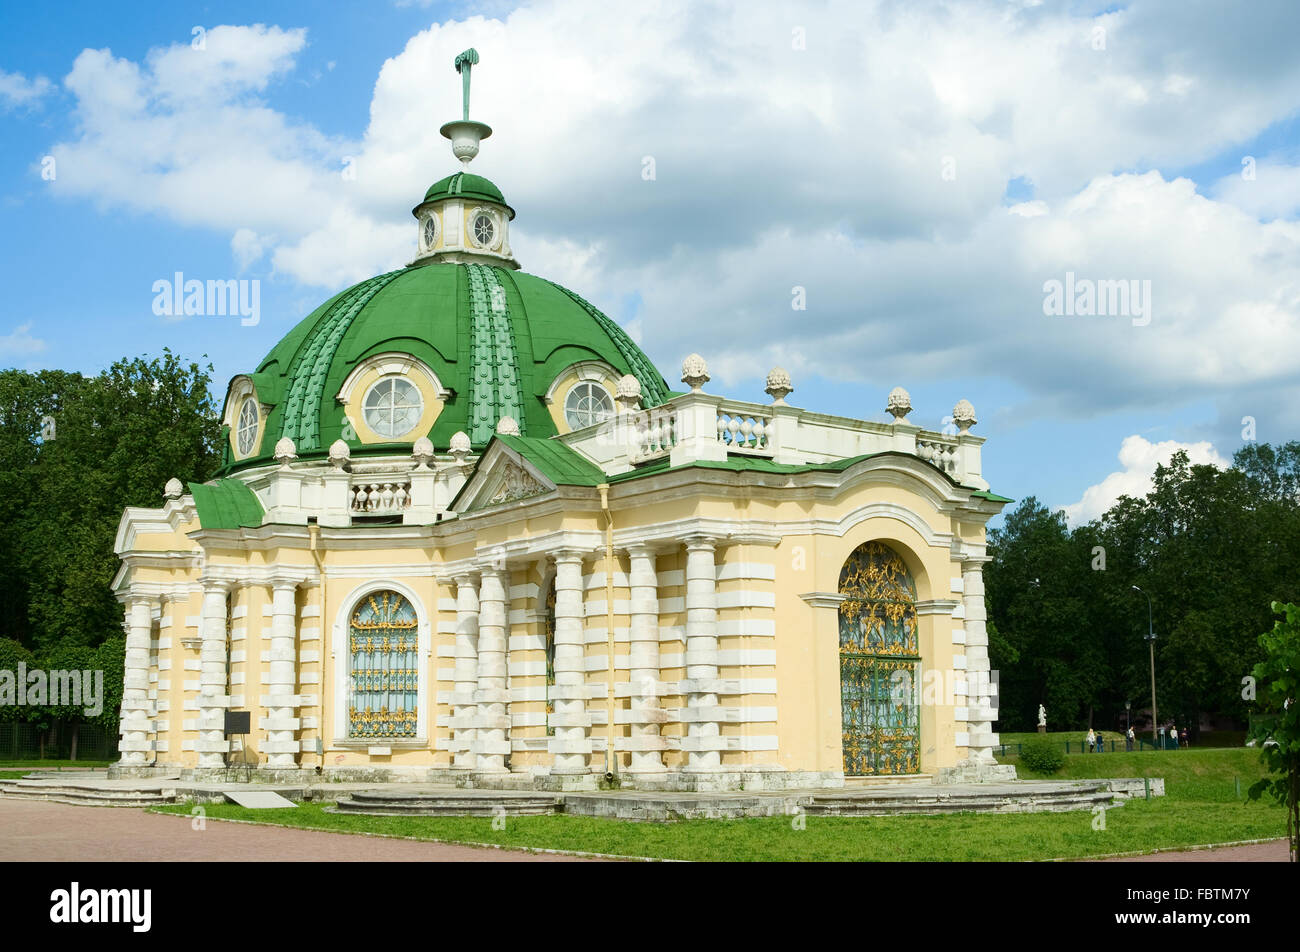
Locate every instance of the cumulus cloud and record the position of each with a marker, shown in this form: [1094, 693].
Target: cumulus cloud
[859, 150]
[17, 91]
[1139, 458]
[20, 342]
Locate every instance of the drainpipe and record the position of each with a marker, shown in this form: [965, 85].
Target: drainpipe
[609, 629]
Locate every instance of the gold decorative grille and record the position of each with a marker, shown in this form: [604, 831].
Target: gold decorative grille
[384, 672]
[879, 661]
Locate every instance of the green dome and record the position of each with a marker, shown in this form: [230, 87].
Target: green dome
[465, 185]
[496, 360]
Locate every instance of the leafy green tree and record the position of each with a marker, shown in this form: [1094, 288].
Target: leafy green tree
[1277, 728]
[118, 438]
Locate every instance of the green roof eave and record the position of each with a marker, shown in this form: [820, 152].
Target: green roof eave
[226, 504]
[991, 496]
[556, 461]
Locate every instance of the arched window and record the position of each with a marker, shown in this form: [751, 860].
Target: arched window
[246, 429]
[384, 672]
[879, 663]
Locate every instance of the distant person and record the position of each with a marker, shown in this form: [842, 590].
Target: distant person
[1163, 743]
[1089, 742]
[1173, 736]
[1128, 740]
[1101, 743]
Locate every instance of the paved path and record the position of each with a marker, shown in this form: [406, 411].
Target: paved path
[1273, 852]
[37, 830]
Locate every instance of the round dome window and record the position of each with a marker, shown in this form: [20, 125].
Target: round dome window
[485, 230]
[586, 405]
[430, 232]
[393, 406]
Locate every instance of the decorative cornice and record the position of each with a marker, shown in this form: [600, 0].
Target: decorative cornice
[824, 599]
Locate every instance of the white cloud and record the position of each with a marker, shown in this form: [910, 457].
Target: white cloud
[247, 247]
[21, 343]
[776, 166]
[1273, 191]
[1139, 458]
[17, 91]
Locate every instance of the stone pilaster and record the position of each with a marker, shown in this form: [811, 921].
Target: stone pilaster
[703, 742]
[645, 743]
[213, 699]
[980, 699]
[466, 672]
[136, 723]
[570, 745]
[282, 681]
[491, 697]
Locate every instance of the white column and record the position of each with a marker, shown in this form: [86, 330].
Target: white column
[645, 742]
[466, 672]
[136, 723]
[282, 681]
[570, 745]
[980, 698]
[212, 745]
[491, 698]
[703, 742]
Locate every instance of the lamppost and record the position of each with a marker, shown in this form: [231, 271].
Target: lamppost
[1151, 641]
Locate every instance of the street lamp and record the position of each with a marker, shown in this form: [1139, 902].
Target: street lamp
[1151, 640]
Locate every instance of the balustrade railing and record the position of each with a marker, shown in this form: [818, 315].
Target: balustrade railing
[655, 433]
[380, 497]
[744, 430]
[940, 452]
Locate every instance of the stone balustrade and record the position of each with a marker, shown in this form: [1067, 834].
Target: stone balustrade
[379, 497]
[698, 426]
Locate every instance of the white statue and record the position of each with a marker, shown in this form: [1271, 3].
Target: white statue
[1042, 716]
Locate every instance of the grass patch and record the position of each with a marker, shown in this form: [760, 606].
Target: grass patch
[12, 774]
[1201, 807]
[54, 764]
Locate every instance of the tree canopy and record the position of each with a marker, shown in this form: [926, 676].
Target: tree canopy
[74, 452]
[1214, 548]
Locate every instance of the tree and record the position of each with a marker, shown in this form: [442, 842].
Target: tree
[109, 442]
[1278, 727]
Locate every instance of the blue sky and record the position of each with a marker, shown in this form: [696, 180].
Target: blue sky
[1108, 141]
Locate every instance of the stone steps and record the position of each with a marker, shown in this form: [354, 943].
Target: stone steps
[451, 804]
[85, 795]
[889, 804]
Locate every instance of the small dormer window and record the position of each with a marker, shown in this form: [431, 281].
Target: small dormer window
[485, 230]
[246, 428]
[586, 405]
[393, 407]
[430, 232]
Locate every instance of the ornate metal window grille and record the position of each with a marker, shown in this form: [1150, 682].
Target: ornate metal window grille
[384, 672]
[879, 662]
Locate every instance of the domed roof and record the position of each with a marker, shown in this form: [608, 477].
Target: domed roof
[466, 185]
[496, 339]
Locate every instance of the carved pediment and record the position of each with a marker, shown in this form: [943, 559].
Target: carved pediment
[514, 482]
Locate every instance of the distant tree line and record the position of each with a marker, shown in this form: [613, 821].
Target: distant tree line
[1214, 548]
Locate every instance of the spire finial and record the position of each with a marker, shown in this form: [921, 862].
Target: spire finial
[464, 133]
[464, 63]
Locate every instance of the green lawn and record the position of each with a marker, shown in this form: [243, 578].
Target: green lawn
[54, 764]
[1201, 807]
